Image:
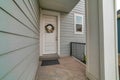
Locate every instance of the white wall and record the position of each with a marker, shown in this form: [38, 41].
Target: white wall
[101, 40]
[19, 38]
[108, 40]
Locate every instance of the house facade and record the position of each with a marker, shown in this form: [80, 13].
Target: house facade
[65, 32]
[21, 43]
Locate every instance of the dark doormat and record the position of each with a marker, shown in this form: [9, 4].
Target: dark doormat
[49, 62]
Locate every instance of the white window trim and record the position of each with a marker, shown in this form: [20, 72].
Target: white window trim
[75, 14]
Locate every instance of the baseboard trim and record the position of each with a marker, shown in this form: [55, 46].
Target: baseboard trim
[37, 72]
[79, 61]
[90, 76]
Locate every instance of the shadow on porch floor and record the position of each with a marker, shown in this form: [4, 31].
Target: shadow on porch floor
[68, 69]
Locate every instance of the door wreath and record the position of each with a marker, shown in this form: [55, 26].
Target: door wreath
[49, 28]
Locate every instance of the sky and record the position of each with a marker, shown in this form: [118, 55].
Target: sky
[118, 4]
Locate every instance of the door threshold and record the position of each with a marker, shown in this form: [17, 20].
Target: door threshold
[49, 57]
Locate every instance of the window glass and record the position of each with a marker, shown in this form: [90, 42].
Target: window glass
[78, 20]
[78, 24]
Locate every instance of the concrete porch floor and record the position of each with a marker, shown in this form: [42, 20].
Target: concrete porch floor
[68, 69]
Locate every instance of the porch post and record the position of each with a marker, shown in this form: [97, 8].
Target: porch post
[101, 40]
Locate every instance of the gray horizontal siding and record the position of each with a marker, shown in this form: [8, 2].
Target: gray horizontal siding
[19, 39]
[67, 28]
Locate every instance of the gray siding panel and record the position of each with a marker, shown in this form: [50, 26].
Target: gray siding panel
[19, 39]
[67, 28]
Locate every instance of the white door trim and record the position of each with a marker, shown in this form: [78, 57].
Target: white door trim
[49, 13]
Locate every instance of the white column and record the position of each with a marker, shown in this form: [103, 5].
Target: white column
[101, 40]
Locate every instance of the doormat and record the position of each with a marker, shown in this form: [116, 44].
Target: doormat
[49, 62]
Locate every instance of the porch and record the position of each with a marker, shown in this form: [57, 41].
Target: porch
[68, 69]
[21, 41]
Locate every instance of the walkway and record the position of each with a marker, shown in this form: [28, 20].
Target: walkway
[68, 69]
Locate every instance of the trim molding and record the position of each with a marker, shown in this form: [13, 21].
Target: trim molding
[90, 76]
[79, 61]
[37, 72]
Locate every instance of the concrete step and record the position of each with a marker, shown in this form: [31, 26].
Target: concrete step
[49, 57]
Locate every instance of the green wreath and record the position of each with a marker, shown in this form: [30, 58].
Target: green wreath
[49, 28]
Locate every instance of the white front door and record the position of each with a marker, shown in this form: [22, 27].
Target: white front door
[50, 38]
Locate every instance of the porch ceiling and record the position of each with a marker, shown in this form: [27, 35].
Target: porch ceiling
[58, 5]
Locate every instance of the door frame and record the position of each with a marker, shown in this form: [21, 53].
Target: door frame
[49, 13]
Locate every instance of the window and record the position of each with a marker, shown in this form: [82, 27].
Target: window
[78, 24]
